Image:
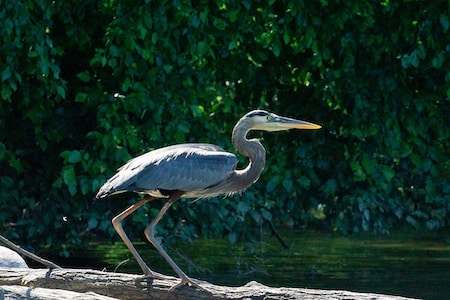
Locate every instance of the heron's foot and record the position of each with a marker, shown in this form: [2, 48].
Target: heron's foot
[185, 280]
[149, 274]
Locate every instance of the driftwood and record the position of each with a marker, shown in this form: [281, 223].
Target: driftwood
[91, 284]
[71, 284]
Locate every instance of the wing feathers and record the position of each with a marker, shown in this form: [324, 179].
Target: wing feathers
[186, 167]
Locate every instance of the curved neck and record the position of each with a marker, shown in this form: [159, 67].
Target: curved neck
[253, 150]
[239, 180]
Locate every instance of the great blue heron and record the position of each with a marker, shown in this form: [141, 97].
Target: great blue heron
[192, 171]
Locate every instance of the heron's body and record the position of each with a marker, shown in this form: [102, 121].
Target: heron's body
[193, 171]
[196, 169]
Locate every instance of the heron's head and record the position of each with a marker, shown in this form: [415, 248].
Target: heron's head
[263, 120]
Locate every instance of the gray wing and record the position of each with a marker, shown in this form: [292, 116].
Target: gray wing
[185, 167]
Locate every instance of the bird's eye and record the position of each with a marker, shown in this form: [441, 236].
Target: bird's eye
[269, 118]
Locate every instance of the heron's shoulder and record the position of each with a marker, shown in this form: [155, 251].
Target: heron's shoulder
[192, 147]
[186, 150]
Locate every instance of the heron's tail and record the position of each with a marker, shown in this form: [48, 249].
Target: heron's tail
[107, 190]
[102, 194]
[119, 183]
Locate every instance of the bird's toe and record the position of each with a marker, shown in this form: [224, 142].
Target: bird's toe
[189, 282]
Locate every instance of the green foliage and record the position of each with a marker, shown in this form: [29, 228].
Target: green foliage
[88, 85]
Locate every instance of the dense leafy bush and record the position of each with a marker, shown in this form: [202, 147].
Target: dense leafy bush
[86, 85]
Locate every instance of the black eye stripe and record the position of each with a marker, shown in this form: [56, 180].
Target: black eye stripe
[258, 114]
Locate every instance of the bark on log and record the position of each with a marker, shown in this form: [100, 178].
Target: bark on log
[91, 284]
[22, 292]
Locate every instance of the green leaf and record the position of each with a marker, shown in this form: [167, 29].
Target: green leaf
[16, 164]
[304, 182]
[444, 19]
[219, 24]
[104, 61]
[85, 186]
[233, 15]
[180, 137]
[184, 127]
[81, 97]
[273, 183]
[414, 59]
[69, 179]
[358, 173]
[266, 214]
[167, 68]
[96, 184]
[243, 207]
[256, 216]
[154, 38]
[61, 91]
[74, 157]
[286, 37]
[330, 187]
[415, 159]
[388, 172]
[438, 61]
[6, 74]
[197, 110]
[84, 76]
[369, 164]
[287, 184]
[232, 237]
[92, 223]
[276, 49]
[202, 48]
[195, 21]
[6, 92]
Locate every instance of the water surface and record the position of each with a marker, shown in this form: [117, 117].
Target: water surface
[406, 264]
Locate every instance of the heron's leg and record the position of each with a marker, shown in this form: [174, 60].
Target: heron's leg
[149, 233]
[117, 223]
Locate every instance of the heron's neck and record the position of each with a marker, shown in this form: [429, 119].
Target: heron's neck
[253, 150]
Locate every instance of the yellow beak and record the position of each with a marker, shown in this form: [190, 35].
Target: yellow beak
[296, 124]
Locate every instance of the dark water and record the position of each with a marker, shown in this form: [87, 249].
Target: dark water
[405, 264]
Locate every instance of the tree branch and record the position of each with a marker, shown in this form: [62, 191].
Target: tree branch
[28, 254]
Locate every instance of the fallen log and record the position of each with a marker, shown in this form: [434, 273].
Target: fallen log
[91, 284]
[22, 292]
